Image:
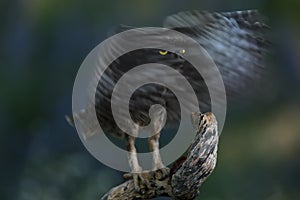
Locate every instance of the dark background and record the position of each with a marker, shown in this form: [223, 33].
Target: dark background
[43, 43]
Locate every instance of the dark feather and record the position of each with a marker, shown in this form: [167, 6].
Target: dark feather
[235, 40]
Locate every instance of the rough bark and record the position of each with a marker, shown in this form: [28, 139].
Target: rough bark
[187, 175]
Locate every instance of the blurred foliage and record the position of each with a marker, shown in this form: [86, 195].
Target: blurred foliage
[43, 43]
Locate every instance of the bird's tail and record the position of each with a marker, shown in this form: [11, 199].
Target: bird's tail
[86, 125]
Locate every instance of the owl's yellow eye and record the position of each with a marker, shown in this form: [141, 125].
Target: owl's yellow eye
[182, 51]
[163, 53]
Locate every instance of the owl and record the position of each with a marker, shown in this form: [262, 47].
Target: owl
[236, 41]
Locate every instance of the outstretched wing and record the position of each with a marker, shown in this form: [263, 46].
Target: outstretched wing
[235, 40]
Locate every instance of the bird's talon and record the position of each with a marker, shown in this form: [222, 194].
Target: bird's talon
[128, 176]
[141, 181]
[162, 173]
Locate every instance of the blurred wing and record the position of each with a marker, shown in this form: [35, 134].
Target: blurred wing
[235, 41]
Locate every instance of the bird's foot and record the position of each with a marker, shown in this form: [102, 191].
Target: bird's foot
[162, 173]
[141, 180]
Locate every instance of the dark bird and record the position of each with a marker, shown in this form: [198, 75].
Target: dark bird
[234, 40]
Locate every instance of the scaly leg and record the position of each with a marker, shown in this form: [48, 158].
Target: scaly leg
[157, 162]
[154, 148]
[132, 154]
[140, 179]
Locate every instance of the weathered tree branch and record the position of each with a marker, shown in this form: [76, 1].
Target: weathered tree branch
[187, 175]
[126, 191]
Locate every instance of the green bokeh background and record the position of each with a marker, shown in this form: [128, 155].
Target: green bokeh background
[43, 43]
